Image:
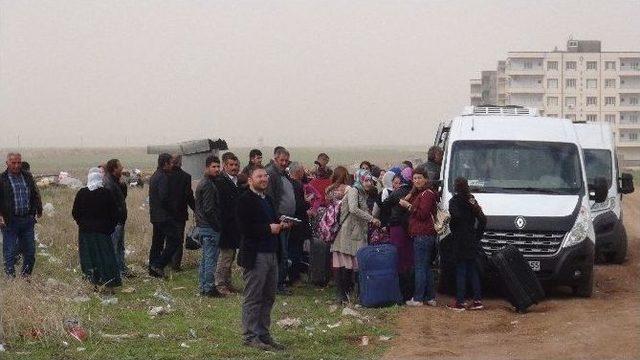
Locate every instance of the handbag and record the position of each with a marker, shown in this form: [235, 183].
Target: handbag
[441, 220]
[192, 240]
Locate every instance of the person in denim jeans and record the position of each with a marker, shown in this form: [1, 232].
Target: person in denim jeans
[422, 205]
[208, 225]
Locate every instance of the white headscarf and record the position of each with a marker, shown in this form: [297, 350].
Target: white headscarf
[94, 179]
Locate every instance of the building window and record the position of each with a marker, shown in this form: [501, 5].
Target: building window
[634, 118]
[592, 100]
[610, 100]
[592, 117]
[570, 65]
[570, 83]
[633, 101]
[592, 65]
[610, 65]
[633, 136]
[552, 101]
[552, 65]
[610, 83]
[610, 118]
[571, 117]
[528, 65]
[570, 101]
[552, 83]
[552, 115]
[592, 83]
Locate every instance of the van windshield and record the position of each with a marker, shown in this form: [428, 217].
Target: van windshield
[598, 164]
[517, 167]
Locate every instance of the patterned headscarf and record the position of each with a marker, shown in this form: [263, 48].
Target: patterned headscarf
[360, 177]
[94, 179]
[407, 175]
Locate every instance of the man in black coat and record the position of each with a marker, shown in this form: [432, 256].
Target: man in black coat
[259, 225]
[166, 232]
[302, 231]
[227, 184]
[181, 198]
[112, 182]
[20, 204]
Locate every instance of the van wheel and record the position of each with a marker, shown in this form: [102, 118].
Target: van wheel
[619, 256]
[585, 288]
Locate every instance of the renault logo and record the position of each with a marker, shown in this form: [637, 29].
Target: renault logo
[520, 222]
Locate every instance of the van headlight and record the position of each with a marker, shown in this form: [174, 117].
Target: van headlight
[603, 206]
[580, 229]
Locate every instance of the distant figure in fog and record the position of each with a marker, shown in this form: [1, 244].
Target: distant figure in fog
[20, 204]
[181, 197]
[112, 182]
[96, 213]
[166, 231]
[467, 225]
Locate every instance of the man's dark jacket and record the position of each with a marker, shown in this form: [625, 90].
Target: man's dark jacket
[229, 193]
[160, 209]
[255, 226]
[301, 231]
[6, 197]
[180, 194]
[208, 209]
[397, 215]
[274, 189]
[119, 192]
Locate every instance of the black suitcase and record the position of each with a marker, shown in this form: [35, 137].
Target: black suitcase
[319, 262]
[520, 284]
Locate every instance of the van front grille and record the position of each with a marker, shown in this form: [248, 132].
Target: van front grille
[529, 243]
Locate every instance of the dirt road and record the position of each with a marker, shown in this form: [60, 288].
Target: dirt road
[606, 326]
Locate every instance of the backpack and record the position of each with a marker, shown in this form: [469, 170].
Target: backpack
[329, 223]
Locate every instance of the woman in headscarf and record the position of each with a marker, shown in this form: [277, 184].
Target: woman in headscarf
[95, 212]
[355, 218]
[398, 223]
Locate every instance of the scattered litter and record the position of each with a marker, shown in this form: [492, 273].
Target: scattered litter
[333, 308]
[316, 301]
[350, 312]
[514, 322]
[65, 180]
[158, 310]
[179, 288]
[384, 338]
[81, 299]
[109, 301]
[80, 349]
[184, 345]
[284, 303]
[48, 209]
[65, 344]
[42, 246]
[333, 326]
[117, 337]
[163, 296]
[364, 341]
[153, 336]
[288, 323]
[128, 290]
[309, 328]
[193, 334]
[2, 349]
[75, 330]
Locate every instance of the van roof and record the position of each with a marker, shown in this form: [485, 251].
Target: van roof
[518, 128]
[594, 135]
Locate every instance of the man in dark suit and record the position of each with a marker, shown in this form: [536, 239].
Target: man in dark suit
[181, 198]
[165, 239]
[227, 184]
[259, 225]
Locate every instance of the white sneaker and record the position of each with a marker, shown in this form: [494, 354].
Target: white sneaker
[432, 303]
[414, 303]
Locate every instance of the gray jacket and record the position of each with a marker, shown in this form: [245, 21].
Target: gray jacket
[274, 188]
[207, 213]
[355, 218]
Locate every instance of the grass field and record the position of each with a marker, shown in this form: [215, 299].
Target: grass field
[32, 314]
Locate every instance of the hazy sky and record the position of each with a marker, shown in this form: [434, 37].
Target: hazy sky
[293, 72]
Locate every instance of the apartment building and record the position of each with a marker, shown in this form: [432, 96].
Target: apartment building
[580, 83]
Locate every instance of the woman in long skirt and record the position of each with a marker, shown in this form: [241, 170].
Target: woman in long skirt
[95, 212]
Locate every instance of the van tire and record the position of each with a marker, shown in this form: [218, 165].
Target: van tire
[585, 288]
[620, 255]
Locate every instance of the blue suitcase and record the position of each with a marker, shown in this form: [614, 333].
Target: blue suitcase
[378, 275]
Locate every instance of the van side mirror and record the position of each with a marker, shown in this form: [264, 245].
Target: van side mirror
[625, 183]
[598, 191]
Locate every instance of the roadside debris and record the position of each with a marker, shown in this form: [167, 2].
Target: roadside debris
[154, 336]
[350, 312]
[128, 290]
[109, 301]
[289, 323]
[75, 330]
[81, 299]
[163, 296]
[384, 338]
[193, 334]
[116, 337]
[2, 349]
[65, 179]
[333, 326]
[184, 346]
[333, 308]
[159, 310]
[364, 341]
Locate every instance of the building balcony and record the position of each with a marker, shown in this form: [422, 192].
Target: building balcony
[629, 70]
[538, 71]
[628, 125]
[626, 143]
[523, 89]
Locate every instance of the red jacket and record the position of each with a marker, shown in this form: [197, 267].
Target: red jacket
[423, 210]
[321, 185]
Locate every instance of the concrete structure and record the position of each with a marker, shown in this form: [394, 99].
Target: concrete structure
[194, 153]
[476, 91]
[582, 83]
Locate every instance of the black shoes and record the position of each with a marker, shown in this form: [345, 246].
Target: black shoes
[269, 341]
[264, 343]
[212, 293]
[156, 272]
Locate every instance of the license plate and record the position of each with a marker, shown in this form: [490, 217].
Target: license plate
[535, 265]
